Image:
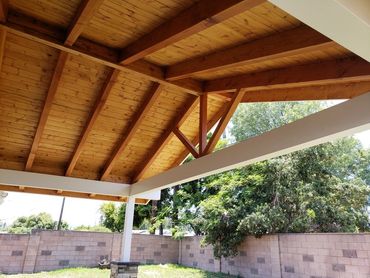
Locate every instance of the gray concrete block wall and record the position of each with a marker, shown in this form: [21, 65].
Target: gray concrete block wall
[256, 258]
[284, 255]
[325, 255]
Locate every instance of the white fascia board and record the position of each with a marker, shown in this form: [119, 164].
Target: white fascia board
[45, 181]
[335, 122]
[346, 22]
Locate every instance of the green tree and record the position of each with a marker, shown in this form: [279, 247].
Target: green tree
[112, 215]
[320, 189]
[42, 221]
[97, 228]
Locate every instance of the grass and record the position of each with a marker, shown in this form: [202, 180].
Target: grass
[145, 271]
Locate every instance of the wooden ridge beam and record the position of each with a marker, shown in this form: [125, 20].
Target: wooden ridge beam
[140, 115]
[187, 143]
[4, 10]
[41, 32]
[299, 40]
[346, 70]
[192, 20]
[63, 56]
[98, 107]
[85, 12]
[236, 99]
[166, 137]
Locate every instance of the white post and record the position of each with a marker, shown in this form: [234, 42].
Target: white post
[127, 230]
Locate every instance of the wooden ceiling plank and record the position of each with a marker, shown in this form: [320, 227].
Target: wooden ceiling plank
[237, 97]
[192, 20]
[41, 32]
[63, 56]
[3, 10]
[299, 40]
[187, 143]
[98, 107]
[136, 121]
[346, 70]
[203, 123]
[166, 137]
[85, 12]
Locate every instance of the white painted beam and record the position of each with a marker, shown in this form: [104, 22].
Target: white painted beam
[127, 230]
[338, 121]
[44, 181]
[346, 22]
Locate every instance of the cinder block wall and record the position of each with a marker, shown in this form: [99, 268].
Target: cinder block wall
[49, 250]
[288, 256]
[256, 258]
[283, 255]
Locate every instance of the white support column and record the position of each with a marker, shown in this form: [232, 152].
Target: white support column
[127, 230]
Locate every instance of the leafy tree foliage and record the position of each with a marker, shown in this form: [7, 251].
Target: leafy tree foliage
[112, 215]
[320, 189]
[42, 221]
[97, 228]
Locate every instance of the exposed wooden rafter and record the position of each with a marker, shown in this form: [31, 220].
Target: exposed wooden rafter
[299, 40]
[203, 123]
[237, 97]
[188, 144]
[2, 46]
[41, 32]
[166, 137]
[63, 56]
[329, 72]
[140, 115]
[85, 12]
[341, 120]
[196, 18]
[195, 141]
[317, 92]
[98, 107]
[3, 10]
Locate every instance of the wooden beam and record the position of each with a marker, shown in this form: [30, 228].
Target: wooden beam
[198, 17]
[187, 143]
[51, 192]
[195, 141]
[319, 92]
[98, 107]
[46, 108]
[203, 123]
[41, 32]
[140, 115]
[85, 12]
[341, 120]
[2, 46]
[346, 70]
[237, 97]
[300, 40]
[3, 10]
[166, 137]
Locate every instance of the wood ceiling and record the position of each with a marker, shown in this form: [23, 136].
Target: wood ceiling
[123, 90]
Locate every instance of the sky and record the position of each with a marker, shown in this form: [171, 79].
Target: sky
[76, 211]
